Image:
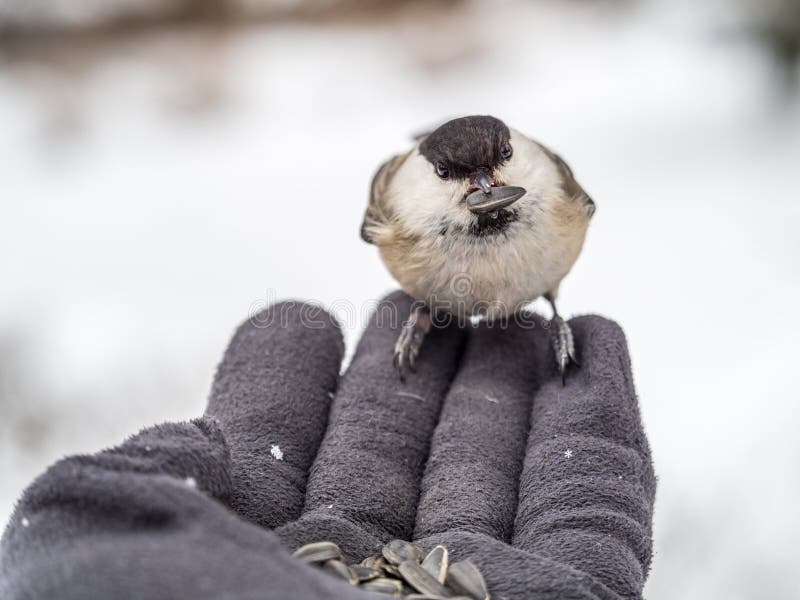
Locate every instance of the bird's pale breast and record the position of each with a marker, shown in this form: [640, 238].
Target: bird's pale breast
[492, 277]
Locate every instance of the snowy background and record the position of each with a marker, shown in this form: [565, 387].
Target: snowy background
[144, 158]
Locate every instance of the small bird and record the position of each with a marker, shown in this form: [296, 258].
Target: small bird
[477, 220]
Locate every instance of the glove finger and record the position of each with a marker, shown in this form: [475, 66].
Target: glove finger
[370, 463]
[272, 394]
[587, 485]
[514, 574]
[471, 477]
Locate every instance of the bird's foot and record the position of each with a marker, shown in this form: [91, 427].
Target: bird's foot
[407, 347]
[564, 346]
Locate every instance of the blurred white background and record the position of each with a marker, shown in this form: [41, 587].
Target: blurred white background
[162, 172]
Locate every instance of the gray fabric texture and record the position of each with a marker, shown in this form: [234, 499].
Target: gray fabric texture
[548, 489]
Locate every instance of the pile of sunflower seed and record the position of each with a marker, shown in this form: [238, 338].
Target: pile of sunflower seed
[402, 571]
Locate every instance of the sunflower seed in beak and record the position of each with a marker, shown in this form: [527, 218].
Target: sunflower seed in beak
[481, 203]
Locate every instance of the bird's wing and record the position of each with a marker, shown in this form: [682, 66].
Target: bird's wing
[378, 215]
[569, 184]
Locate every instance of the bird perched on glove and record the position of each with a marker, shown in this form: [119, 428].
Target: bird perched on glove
[477, 220]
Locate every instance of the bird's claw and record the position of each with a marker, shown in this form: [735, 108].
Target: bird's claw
[406, 351]
[407, 347]
[564, 347]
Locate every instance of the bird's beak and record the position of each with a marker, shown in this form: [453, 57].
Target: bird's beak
[489, 198]
[482, 180]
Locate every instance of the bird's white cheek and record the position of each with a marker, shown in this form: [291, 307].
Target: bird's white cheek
[529, 167]
[537, 177]
[422, 200]
[423, 205]
[515, 172]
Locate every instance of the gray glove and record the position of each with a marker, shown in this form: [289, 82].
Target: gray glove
[548, 489]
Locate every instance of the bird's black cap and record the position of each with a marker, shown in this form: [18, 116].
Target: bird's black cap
[467, 144]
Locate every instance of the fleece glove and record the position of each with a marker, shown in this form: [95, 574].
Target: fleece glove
[547, 488]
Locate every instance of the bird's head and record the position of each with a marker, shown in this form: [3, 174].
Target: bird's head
[472, 152]
[476, 177]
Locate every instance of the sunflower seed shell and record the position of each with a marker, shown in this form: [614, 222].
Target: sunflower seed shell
[371, 562]
[436, 563]
[398, 551]
[365, 573]
[422, 581]
[318, 552]
[383, 585]
[464, 578]
[340, 569]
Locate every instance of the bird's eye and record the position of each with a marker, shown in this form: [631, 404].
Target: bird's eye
[506, 151]
[442, 171]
